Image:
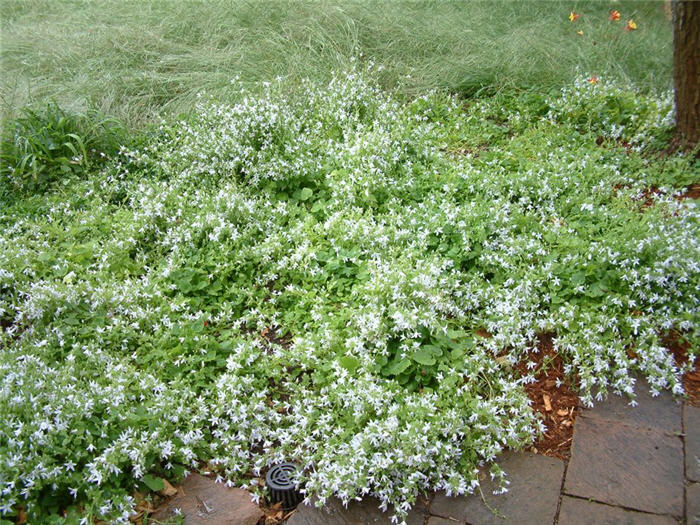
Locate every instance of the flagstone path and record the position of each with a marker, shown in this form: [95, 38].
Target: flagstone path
[629, 466]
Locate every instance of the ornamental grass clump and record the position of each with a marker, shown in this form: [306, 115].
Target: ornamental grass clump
[337, 279]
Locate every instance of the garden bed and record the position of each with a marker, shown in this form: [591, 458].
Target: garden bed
[322, 279]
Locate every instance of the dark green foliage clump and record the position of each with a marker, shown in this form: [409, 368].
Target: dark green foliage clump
[49, 144]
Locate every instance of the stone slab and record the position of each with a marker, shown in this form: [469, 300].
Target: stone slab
[365, 512]
[692, 504]
[691, 429]
[583, 512]
[661, 413]
[532, 497]
[201, 501]
[626, 466]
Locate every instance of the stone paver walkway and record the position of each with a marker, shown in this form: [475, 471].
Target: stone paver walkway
[629, 465]
[201, 501]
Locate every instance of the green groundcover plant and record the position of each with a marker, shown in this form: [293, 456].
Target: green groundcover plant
[306, 279]
[50, 144]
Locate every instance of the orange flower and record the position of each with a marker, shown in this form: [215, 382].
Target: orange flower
[614, 15]
[593, 80]
[573, 16]
[631, 25]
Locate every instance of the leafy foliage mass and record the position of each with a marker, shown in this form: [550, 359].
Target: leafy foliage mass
[44, 145]
[337, 279]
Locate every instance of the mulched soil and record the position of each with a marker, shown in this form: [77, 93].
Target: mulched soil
[273, 335]
[693, 192]
[648, 194]
[691, 380]
[558, 405]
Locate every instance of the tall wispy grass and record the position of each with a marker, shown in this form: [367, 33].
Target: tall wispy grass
[137, 60]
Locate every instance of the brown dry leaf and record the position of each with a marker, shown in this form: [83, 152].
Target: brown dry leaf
[21, 515]
[279, 515]
[144, 506]
[270, 520]
[481, 332]
[566, 423]
[276, 506]
[562, 412]
[168, 490]
[547, 402]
